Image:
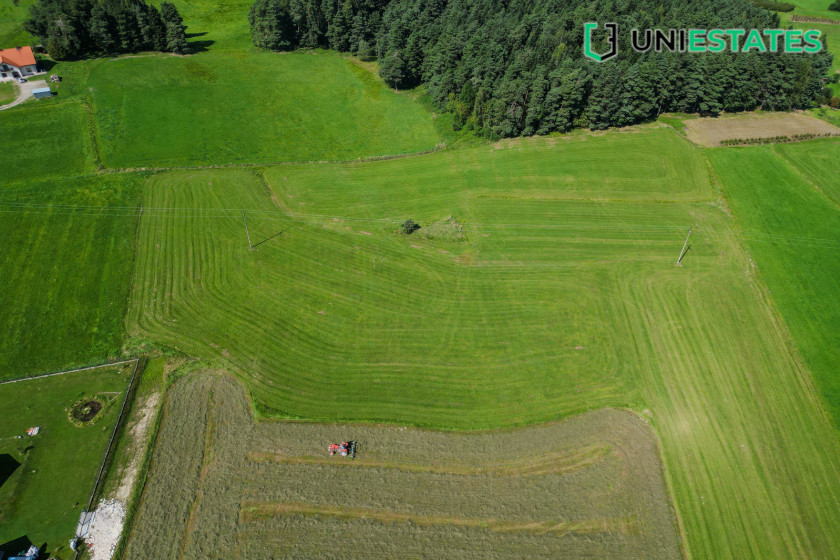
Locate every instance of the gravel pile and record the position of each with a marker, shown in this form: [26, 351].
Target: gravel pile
[106, 529]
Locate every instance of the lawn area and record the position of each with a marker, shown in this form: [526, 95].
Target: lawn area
[8, 92]
[12, 15]
[45, 140]
[217, 108]
[559, 295]
[46, 480]
[66, 265]
[791, 230]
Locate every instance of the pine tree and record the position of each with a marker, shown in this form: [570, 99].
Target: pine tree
[176, 36]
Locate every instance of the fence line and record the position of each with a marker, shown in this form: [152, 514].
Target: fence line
[66, 371]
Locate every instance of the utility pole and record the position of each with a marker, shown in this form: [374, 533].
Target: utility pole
[682, 251]
[246, 230]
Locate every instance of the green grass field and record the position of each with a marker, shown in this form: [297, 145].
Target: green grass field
[8, 92]
[45, 140]
[12, 15]
[791, 229]
[541, 284]
[562, 297]
[218, 108]
[66, 270]
[52, 474]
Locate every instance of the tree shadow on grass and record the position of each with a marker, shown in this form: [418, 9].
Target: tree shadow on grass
[199, 46]
[8, 465]
[194, 35]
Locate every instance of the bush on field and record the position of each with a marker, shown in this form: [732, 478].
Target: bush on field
[835, 7]
[409, 226]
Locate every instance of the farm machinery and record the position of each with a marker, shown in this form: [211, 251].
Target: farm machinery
[346, 449]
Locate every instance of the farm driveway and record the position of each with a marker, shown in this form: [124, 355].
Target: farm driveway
[25, 92]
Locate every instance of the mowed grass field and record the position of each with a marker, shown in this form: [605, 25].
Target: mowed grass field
[217, 108]
[561, 296]
[787, 199]
[589, 486]
[45, 140]
[46, 480]
[66, 261]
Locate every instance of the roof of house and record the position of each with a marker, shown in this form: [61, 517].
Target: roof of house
[17, 56]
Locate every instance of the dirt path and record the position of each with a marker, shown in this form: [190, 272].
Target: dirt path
[138, 435]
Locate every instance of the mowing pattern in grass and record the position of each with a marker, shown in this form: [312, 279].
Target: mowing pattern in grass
[218, 500]
[44, 495]
[791, 230]
[218, 108]
[39, 141]
[65, 271]
[564, 296]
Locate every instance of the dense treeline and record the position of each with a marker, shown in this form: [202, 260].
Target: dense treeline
[73, 28]
[511, 67]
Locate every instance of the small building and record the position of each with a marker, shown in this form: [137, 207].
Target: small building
[17, 62]
[41, 93]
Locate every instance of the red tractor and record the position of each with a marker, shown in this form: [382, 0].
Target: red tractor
[346, 449]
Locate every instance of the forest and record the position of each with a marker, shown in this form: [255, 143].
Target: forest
[71, 29]
[515, 67]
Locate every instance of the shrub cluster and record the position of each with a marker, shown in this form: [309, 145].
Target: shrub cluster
[74, 28]
[507, 68]
[835, 7]
[773, 139]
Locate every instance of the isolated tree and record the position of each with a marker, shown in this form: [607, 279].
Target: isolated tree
[392, 70]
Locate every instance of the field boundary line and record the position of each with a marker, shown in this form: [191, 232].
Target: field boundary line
[41, 376]
[129, 388]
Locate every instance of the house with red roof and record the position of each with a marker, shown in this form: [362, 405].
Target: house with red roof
[17, 62]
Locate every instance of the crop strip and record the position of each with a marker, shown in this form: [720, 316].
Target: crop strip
[622, 525]
[560, 462]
